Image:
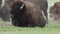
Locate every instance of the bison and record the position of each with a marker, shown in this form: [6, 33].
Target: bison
[55, 11]
[4, 11]
[25, 13]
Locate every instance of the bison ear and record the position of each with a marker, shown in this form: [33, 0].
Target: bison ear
[22, 6]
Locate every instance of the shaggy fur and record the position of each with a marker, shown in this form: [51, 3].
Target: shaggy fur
[29, 15]
[43, 4]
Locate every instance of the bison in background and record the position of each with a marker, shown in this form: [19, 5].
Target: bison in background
[25, 13]
[55, 11]
[5, 11]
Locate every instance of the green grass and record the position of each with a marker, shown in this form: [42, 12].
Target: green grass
[53, 27]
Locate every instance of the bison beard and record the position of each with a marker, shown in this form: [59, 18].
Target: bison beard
[26, 14]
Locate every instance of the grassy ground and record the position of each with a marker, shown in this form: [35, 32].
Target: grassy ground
[53, 27]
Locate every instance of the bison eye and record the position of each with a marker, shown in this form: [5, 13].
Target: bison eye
[22, 6]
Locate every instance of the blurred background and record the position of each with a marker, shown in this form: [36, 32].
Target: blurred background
[6, 27]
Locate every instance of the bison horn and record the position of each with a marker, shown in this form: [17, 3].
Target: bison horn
[22, 6]
[43, 15]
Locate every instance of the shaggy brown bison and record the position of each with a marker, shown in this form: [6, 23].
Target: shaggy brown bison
[27, 14]
[55, 11]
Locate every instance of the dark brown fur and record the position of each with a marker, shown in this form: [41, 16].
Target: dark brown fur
[43, 4]
[30, 15]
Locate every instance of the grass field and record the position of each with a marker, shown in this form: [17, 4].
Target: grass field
[53, 27]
